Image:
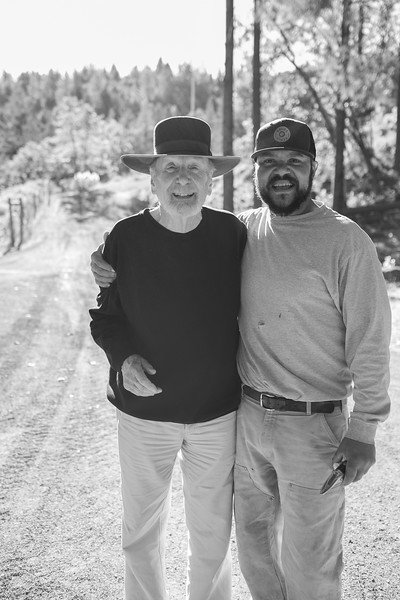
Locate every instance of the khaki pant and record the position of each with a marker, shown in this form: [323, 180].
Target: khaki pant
[148, 450]
[289, 535]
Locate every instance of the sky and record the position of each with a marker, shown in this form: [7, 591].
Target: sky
[64, 35]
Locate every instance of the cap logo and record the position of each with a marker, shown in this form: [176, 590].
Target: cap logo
[281, 134]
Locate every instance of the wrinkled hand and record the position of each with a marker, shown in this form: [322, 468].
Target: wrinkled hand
[134, 369]
[103, 273]
[360, 458]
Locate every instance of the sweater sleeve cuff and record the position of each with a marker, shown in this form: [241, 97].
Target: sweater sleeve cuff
[361, 431]
[117, 358]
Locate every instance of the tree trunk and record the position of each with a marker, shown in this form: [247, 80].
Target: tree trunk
[360, 37]
[289, 54]
[397, 152]
[256, 81]
[339, 198]
[228, 105]
[378, 176]
[192, 93]
[339, 202]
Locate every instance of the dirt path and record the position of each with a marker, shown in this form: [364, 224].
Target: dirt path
[59, 490]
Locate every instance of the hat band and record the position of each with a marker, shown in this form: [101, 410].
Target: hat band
[183, 147]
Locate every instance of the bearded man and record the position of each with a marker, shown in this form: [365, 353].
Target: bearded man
[314, 329]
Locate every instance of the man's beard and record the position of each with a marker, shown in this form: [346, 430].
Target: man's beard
[299, 198]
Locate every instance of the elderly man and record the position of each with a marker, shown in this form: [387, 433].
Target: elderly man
[314, 329]
[168, 325]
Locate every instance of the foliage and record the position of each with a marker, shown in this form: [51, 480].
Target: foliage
[322, 75]
[81, 141]
[57, 125]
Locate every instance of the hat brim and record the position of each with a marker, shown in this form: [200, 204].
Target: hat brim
[142, 162]
[262, 150]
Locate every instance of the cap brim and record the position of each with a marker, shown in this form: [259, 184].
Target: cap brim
[262, 150]
[142, 162]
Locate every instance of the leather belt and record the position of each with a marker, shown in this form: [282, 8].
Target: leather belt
[279, 403]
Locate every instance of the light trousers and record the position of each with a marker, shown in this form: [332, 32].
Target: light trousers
[289, 536]
[147, 451]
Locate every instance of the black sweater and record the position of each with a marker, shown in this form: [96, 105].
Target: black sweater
[175, 302]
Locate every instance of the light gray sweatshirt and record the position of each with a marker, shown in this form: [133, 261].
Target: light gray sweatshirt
[315, 315]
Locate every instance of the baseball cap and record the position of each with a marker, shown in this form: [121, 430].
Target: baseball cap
[285, 134]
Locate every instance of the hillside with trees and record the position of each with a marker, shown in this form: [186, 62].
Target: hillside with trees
[334, 64]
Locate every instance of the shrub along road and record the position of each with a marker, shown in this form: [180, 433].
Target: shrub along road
[59, 492]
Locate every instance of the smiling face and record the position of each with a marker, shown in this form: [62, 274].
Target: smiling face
[181, 183]
[283, 180]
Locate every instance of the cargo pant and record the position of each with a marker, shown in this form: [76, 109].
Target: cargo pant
[289, 536]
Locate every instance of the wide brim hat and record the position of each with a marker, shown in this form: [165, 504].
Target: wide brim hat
[184, 136]
[285, 134]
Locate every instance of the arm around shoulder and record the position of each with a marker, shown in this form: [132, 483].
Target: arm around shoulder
[109, 326]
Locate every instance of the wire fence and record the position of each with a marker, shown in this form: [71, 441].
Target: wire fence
[19, 211]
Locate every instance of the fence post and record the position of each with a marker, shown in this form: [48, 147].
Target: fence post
[21, 222]
[34, 204]
[12, 233]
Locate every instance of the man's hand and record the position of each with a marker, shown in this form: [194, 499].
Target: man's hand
[134, 369]
[103, 273]
[360, 458]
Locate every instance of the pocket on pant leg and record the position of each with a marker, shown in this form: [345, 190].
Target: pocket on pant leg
[242, 479]
[334, 425]
[246, 479]
[253, 504]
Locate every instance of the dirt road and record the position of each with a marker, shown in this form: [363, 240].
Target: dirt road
[59, 488]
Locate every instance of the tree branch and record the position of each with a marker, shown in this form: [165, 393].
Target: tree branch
[307, 79]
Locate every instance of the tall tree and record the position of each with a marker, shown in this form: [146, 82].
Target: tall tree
[192, 94]
[397, 151]
[256, 78]
[228, 104]
[366, 95]
[339, 194]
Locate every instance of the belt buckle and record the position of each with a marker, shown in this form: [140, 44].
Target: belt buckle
[261, 401]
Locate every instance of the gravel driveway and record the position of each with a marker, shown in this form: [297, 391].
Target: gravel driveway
[59, 494]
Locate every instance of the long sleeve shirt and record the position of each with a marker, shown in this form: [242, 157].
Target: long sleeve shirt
[315, 315]
[175, 302]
